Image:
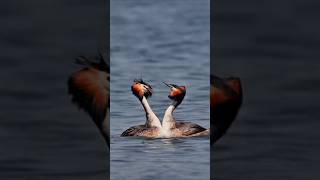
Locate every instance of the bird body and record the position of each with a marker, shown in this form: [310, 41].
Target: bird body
[169, 128]
[89, 88]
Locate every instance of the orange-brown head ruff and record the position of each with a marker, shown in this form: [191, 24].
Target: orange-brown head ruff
[225, 101]
[176, 92]
[89, 88]
[140, 88]
[225, 90]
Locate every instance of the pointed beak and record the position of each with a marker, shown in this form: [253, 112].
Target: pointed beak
[168, 85]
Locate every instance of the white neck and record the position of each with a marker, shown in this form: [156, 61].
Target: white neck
[152, 119]
[168, 121]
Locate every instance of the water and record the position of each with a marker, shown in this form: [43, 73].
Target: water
[159, 41]
[43, 135]
[274, 47]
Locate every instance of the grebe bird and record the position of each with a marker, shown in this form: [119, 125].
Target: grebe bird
[172, 128]
[152, 127]
[225, 101]
[89, 88]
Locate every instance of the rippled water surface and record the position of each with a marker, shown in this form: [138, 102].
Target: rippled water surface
[159, 41]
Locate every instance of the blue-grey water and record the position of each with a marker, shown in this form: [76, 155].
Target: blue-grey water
[159, 41]
[42, 134]
[273, 46]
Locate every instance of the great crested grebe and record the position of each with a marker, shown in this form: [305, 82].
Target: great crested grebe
[89, 88]
[225, 101]
[172, 128]
[152, 127]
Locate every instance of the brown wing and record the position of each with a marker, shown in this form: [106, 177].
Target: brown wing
[141, 130]
[89, 88]
[132, 131]
[188, 128]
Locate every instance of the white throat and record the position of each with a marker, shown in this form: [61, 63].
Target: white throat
[151, 119]
[168, 122]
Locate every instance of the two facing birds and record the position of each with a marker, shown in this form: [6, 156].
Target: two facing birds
[89, 88]
[169, 127]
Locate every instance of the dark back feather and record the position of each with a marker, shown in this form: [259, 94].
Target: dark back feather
[189, 128]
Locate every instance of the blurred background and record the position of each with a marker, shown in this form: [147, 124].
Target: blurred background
[42, 134]
[273, 46]
[159, 41]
